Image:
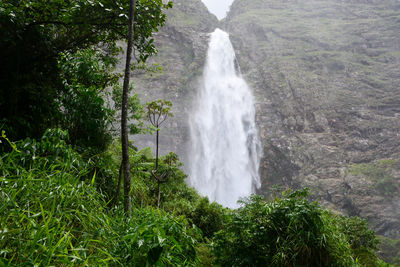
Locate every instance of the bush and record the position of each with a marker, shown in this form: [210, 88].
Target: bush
[286, 232]
[208, 217]
[48, 215]
[363, 241]
[153, 237]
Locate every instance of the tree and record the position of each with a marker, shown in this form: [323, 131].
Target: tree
[86, 76]
[135, 111]
[34, 35]
[144, 52]
[158, 111]
[124, 114]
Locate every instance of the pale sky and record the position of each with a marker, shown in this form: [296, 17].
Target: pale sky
[218, 7]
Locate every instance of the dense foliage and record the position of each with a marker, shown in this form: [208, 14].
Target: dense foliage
[52, 215]
[57, 57]
[55, 209]
[286, 232]
[291, 231]
[363, 241]
[86, 75]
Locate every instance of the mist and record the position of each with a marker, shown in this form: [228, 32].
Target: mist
[218, 7]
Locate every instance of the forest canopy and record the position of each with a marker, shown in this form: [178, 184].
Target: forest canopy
[58, 58]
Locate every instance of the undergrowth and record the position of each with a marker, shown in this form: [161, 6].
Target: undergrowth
[58, 208]
[51, 214]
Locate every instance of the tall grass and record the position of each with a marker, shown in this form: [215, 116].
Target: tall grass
[51, 216]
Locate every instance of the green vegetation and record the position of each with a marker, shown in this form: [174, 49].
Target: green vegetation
[390, 250]
[56, 210]
[86, 75]
[51, 214]
[363, 241]
[157, 112]
[286, 232]
[381, 173]
[57, 61]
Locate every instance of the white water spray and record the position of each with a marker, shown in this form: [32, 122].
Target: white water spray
[225, 150]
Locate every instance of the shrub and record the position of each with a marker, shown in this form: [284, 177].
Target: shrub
[48, 215]
[86, 75]
[153, 237]
[286, 232]
[208, 217]
[362, 241]
[358, 233]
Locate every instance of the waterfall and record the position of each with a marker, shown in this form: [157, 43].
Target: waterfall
[225, 148]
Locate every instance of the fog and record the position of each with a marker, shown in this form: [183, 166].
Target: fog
[218, 7]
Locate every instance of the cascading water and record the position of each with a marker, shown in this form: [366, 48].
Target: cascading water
[225, 149]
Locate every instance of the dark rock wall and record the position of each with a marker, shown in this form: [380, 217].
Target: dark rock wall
[326, 75]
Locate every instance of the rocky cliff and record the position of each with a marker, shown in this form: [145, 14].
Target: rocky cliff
[326, 76]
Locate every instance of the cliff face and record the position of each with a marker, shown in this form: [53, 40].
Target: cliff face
[326, 76]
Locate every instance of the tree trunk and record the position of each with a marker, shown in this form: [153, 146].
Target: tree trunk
[159, 194]
[157, 134]
[124, 115]
[158, 180]
[116, 200]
